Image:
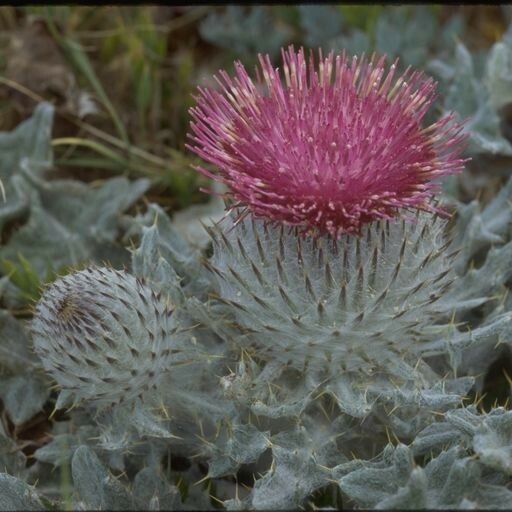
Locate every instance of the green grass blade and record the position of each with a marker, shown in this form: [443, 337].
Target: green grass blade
[81, 61]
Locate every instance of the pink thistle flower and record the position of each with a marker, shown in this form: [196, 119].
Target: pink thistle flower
[330, 148]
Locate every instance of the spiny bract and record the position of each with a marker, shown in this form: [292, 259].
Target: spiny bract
[103, 334]
[333, 147]
[354, 304]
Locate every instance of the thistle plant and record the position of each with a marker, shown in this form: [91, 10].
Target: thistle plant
[321, 351]
[325, 276]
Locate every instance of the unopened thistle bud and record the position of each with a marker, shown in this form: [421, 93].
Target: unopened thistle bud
[103, 334]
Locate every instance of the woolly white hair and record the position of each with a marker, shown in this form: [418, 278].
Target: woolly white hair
[354, 304]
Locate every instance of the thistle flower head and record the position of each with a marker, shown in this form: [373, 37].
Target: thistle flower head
[331, 147]
[103, 334]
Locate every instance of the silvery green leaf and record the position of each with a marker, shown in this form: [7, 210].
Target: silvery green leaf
[441, 396]
[388, 40]
[190, 221]
[15, 353]
[350, 396]
[442, 70]
[497, 215]
[58, 451]
[91, 210]
[418, 34]
[239, 29]
[236, 504]
[62, 446]
[17, 495]
[458, 344]
[458, 427]
[148, 262]
[324, 433]
[451, 30]
[165, 240]
[465, 419]
[345, 468]
[23, 396]
[354, 43]
[206, 314]
[27, 145]
[488, 279]
[89, 476]
[151, 491]
[438, 469]
[412, 496]
[369, 485]
[73, 223]
[485, 130]
[239, 444]
[499, 74]
[469, 97]
[293, 476]
[477, 233]
[477, 229]
[460, 483]
[448, 481]
[148, 424]
[493, 442]
[291, 408]
[57, 245]
[464, 91]
[65, 399]
[319, 23]
[492, 497]
[5, 284]
[12, 459]
[95, 486]
[31, 139]
[116, 460]
[434, 436]
[115, 429]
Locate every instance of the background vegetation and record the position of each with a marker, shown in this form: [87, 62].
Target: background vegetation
[122, 79]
